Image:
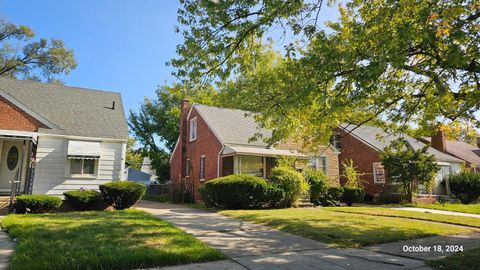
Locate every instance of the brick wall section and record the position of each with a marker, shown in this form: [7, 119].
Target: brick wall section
[13, 118]
[206, 144]
[327, 151]
[363, 157]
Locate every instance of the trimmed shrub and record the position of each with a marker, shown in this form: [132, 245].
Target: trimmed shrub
[36, 204]
[84, 199]
[240, 192]
[352, 195]
[122, 194]
[465, 186]
[291, 182]
[319, 185]
[332, 197]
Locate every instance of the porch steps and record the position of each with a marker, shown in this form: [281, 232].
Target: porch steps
[4, 203]
[304, 203]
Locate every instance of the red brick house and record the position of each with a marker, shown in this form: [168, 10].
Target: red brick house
[363, 144]
[215, 142]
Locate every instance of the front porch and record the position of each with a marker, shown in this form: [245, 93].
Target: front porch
[255, 160]
[17, 159]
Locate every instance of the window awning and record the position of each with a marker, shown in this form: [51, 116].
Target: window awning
[260, 151]
[83, 150]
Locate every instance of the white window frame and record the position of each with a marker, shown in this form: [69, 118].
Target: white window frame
[317, 162]
[202, 168]
[237, 164]
[82, 175]
[375, 180]
[193, 130]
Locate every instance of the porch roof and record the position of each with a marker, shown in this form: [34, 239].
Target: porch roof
[5, 133]
[259, 151]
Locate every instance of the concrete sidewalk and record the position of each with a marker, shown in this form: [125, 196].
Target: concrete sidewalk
[251, 246]
[435, 211]
[6, 249]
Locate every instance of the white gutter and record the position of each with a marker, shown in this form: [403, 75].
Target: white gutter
[218, 163]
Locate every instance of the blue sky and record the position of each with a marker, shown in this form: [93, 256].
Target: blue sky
[119, 45]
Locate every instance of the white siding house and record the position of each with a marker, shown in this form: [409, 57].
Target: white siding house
[70, 138]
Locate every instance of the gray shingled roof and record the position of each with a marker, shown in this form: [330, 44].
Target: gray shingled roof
[73, 110]
[379, 139]
[232, 126]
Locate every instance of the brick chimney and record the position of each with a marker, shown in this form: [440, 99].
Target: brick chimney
[438, 141]
[478, 142]
[184, 108]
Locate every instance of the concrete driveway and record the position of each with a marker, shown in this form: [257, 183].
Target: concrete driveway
[252, 246]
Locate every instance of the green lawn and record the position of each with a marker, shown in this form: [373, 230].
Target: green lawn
[127, 239]
[468, 260]
[456, 207]
[344, 229]
[468, 221]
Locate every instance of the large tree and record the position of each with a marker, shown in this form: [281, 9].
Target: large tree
[155, 125]
[22, 57]
[403, 61]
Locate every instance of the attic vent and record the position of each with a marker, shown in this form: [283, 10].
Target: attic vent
[111, 107]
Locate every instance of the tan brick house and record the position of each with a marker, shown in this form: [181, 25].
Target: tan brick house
[216, 142]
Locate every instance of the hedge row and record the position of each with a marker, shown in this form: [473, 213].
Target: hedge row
[120, 195]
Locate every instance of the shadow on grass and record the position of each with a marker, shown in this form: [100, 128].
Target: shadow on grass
[343, 229]
[101, 240]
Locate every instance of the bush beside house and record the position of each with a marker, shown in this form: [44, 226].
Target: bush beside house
[291, 182]
[465, 186]
[84, 199]
[122, 195]
[36, 204]
[240, 192]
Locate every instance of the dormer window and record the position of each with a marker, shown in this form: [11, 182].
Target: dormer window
[193, 129]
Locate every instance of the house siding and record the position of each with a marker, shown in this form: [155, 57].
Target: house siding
[51, 173]
[13, 118]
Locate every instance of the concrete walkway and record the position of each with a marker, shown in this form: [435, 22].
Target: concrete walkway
[252, 246]
[6, 249]
[435, 211]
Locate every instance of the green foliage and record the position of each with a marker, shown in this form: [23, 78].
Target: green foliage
[352, 175]
[291, 182]
[319, 185]
[132, 156]
[155, 125]
[22, 58]
[352, 195]
[84, 199]
[465, 186]
[240, 192]
[36, 204]
[334, 195]
[400, 61]
[122, 194]
[408, 167]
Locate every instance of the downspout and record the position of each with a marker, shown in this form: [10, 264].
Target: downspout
[218, 161]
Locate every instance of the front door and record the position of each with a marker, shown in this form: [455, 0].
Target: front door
[10, 164]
